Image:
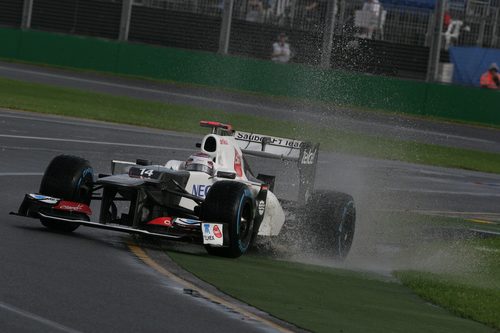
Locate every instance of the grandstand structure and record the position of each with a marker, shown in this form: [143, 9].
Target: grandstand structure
[399, 45]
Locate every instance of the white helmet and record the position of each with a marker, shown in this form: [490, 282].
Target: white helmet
[200, 162]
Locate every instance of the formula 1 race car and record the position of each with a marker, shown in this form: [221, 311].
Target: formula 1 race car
[212, 198]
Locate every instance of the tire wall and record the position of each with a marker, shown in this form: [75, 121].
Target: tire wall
[299, 81]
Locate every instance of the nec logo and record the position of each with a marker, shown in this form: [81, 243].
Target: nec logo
[200, 190]
[308, 156]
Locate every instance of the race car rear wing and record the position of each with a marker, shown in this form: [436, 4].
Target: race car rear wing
[302, 152]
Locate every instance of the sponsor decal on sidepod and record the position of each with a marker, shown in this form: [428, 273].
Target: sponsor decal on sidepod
[200, 190]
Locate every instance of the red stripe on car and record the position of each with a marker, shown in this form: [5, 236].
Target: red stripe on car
[74, 207]
[237, 164]
[161, 221]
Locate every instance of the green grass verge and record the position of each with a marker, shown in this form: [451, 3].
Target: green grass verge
[250, 93]
[458, 274]
[323, 299]
[76, 103]
[475, 296]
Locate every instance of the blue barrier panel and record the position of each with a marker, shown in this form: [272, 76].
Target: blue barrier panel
[470, 62]
[429, 4]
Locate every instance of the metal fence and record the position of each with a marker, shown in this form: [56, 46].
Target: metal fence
[402, 25]
[177, 27]
[479, 19]
[206, 7]
[11, 12]
[83, 17]
[480, 23]
[394, 42]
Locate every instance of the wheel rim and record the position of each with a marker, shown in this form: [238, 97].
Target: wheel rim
[245, 226]
[84, 186]
[345, 233]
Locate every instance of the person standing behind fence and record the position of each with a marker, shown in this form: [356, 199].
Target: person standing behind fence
[255, 11]
[281, 50]
[491, 79]
[375, 9]
[373, 6]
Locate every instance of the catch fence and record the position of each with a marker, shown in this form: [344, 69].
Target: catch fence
[392, 40]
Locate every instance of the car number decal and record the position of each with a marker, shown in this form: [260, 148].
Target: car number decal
[144, 173]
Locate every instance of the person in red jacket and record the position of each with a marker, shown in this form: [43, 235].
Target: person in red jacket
[490, 79]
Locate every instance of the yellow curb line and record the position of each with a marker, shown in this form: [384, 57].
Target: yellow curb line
[481, 221]
[139, 252]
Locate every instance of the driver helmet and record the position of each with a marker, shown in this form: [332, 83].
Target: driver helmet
[200, 162]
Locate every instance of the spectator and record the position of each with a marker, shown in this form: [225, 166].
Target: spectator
[281, 50]
[446, 16]
[446, 20]
[255, 11]
[375, 9]
[490, 79]
[373, 6]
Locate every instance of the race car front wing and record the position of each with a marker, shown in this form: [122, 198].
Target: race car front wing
[172, 228]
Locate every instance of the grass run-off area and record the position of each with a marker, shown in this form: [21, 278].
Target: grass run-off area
[460, 275]
[469, 295]
[76, 103]
[331, 300]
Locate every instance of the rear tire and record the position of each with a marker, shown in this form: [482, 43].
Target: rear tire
[333, 217]
[69, 178]
[232, 203]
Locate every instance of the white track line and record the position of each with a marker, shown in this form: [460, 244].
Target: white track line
[50, 118]
[156, 91]
[488, 232]
[34, 317]
[105, 143]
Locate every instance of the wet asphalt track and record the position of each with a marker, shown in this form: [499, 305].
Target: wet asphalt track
[90, 282]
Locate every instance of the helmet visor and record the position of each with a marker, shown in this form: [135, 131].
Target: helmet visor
[200, 168]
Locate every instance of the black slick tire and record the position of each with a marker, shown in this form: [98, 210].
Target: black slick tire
[333, 219]
[69, 178]
[231, 203]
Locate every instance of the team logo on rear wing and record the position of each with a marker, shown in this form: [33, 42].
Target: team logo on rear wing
[266, 139]
[309, 155]
[271, 145]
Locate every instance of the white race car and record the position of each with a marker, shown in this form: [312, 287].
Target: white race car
[212, 198]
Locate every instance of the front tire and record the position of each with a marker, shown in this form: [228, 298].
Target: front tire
[69, 178]
[232, 203]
